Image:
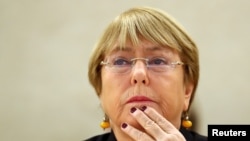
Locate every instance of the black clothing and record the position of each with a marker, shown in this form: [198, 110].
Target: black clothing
[188, 134]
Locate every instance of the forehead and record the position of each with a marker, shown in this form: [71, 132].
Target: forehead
[143, 47]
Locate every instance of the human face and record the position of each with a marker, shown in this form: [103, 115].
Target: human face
[163, 91]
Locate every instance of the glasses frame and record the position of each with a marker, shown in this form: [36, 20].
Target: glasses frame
[146, 60]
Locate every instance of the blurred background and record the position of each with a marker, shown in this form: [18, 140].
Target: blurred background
[45, 46]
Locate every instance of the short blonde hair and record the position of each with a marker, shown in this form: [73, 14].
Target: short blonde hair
[153, 25]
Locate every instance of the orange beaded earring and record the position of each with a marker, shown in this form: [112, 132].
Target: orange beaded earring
[105, 123]
[186, 122]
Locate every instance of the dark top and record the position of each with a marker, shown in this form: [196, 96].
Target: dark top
[188, 134]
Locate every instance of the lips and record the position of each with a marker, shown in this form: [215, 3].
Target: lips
[137, 99]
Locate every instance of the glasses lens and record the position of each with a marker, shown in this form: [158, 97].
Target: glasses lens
[120, 69]
[160, 68]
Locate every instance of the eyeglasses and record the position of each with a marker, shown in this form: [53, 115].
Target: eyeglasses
[156, 64]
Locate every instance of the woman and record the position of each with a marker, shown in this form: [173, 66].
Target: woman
[145, 71]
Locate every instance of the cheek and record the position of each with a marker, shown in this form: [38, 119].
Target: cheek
[170, 90]
[112, 89]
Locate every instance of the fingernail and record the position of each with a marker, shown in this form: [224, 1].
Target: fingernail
[143, 108]
[124, 125]
[133, 109]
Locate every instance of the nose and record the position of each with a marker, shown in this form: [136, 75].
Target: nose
[139, 73]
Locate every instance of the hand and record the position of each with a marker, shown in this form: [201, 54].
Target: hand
[155, 125]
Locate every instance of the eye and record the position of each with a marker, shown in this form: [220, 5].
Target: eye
[158, 61]
[121, 62]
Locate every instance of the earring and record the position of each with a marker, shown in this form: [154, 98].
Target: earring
[105, 123]
[186, 122]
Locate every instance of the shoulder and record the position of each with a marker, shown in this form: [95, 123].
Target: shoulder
[103, 137]
[192, 136]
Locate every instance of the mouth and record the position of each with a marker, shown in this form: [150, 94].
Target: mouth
[139, 99]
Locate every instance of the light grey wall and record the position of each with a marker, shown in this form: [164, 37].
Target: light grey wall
[44, 51]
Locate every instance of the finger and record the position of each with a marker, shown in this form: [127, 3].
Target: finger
[135, 133]
[160, 120]
[148, 124]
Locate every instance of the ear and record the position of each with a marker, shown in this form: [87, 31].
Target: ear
[188, 93]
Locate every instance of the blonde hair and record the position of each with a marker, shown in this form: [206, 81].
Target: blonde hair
[153, 25]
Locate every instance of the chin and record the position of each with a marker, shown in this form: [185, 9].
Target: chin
[135, 124]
